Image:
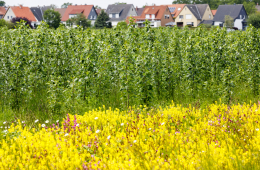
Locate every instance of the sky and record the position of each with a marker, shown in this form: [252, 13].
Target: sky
[101, 3]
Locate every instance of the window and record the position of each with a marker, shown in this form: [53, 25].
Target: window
[153, 16]
[181, 16]
[190, 23]
[72, 15]
[188, 16]
[7, 17]
[113, 15]
[180, 9]
[11, 17]
[173, 15]
[147, 16]
[209, 16]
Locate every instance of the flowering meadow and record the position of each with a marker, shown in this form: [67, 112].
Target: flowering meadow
[174, 137]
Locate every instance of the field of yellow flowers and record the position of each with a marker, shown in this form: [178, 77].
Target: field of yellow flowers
[175, 137]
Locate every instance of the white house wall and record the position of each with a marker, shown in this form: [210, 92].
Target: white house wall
[9, 14]
[114, 23]
[238, 24]
[217, 23]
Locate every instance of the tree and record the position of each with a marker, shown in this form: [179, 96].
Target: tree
[18, 20]
[52, 18]
[254, 19]
[250, 8]
[2, 3]
[102, 19]
[65, 5]
[53, 6]
[97, 7]
[229, 21]
[80, 20]
[122, 25]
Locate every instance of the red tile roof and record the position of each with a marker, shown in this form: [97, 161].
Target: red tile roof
[2, 10]
[21, 11]
[76, 11]
[99, 11]
[71, 8]
[178, 9]
[213, 12]
[157, 10]
[61, 11]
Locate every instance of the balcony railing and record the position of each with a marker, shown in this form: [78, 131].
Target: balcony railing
[140, 20]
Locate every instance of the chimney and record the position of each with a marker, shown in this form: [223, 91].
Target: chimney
[75, 4]
[20, 6]
[136, 8]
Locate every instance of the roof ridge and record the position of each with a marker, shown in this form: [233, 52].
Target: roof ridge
[198, 11]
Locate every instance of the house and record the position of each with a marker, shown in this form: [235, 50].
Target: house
[99, 11]
[139, 11]
[257, 7]
[237, 12]
[73, 10]
[157, 15]
[119, 12]
[2, 12]
[193, 14]
[61, 11]
[20, 11]
[38, 13]
[175, 10]
[214, 12]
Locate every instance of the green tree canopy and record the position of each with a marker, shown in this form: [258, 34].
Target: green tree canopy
[250, 7]
[52, 18]
[102, 19]
[121, 25]
[254, 19]
[80, 20]
[65, 5]
[2, 3]
[229, 21]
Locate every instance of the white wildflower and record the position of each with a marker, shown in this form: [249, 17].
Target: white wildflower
[162, 123]
[4, 122]
[122, 124]
[43, 125]
[96, 118]
[97, 131]
[23, 121]
[66, 134]
[36, 120]
[77, 125]
[150, 128]
[257, 129]
[108, 137]
[47, 121]
[57, 121]
[134, 141]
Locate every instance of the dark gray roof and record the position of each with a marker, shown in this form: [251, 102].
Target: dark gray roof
[139, 11]
[117, 8]
[206, 22]
[37, 12]
[231, 10]
[202, 8]
[194, 9]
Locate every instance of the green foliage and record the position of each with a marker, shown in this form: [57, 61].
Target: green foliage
[7, 24]
[52, 18]
[229, 21]
[65, 5]
[53, 72]
[80, 20]
[205, 25]
[122, 25]
[254, 20]
[2, 3]
[101, 21]
[249, 7]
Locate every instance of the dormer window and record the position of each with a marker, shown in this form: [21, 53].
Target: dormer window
[72, 15]
[147, 16]
[113, 15]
